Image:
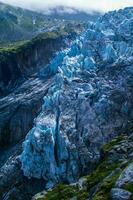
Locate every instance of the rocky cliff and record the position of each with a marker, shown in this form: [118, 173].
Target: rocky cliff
[21, 61]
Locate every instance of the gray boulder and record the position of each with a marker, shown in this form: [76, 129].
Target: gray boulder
[120, 194]
[126, 176]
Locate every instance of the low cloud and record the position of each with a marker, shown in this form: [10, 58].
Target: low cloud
[86, 5]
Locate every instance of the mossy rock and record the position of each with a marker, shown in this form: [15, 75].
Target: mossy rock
[102, 177]
[106, 186]
[107, 147]
[103, 170]
[65, 192]
[83, 195]
[129, 187]
[61, 192]
[108, 182]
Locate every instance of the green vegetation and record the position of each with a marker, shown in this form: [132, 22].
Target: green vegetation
[106, 186]
[21, 51]
[82, 195]
[61, 192]
[13, 47]
[65, 192]
[115, 141]
[21, 46]
[103, 170]
[106, 175]
[129, 187]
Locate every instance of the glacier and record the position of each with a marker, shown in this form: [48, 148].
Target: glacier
[89, 101]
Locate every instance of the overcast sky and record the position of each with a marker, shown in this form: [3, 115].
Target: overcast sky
[103, 5]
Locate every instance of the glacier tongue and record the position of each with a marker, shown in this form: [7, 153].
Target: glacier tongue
[87, 104]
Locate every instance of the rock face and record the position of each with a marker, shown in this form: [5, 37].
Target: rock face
[89, 103]
[18, 110]
[10, 175]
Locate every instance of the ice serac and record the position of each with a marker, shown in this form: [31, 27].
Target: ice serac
[89, 102]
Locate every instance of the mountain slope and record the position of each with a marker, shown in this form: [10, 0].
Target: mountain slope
[18, 24]
[21, 24]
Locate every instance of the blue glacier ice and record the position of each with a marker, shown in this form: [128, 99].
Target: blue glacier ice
[86, 103]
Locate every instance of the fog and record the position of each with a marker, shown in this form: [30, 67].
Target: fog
[86, 5]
